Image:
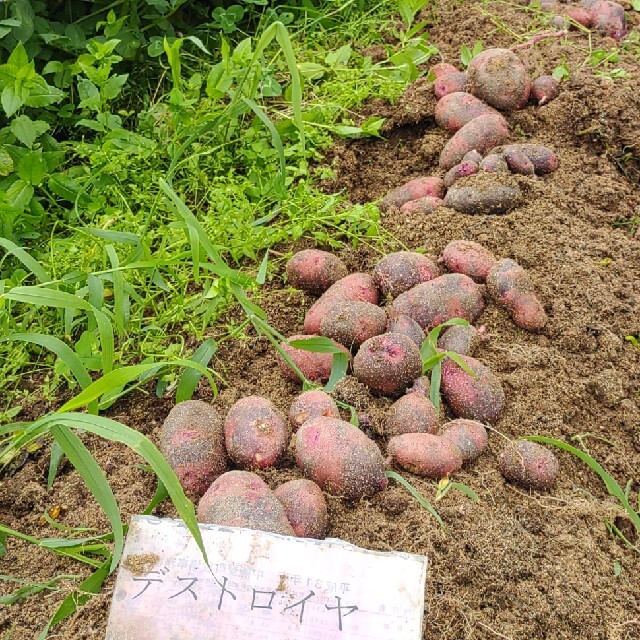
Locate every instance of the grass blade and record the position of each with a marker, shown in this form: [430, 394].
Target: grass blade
[436, 379]
[191, 376]
[31, 263]
[415, 493]
[54, 463]
[339, 367]
[317, 345]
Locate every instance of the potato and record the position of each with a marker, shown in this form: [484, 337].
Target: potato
[398, 272]
[481, 134]
[426, 205]
[509, 284]
[544, 160]
[351, 323]
[256, 433]
[242, 499]
[425, 454]
[518, 162]
[450, 83]
[413, 190]
[462, 339]
[314, 271]
[450, 296]
[462, 170]
[306, 508]
[312, 404]
[472, 156]
[387, 364]
[498, 77]
[455, 110]
[421, 385]
[609, 19]
[442, 69]
[578, 14]
[544, 89]
[339, 458]
[469, 258]
[494, 163]
[412, 413]
[192, 441]
[474, 398]
[529, 464]
[407, 327]
[313, 366]
[469, 436]
[483, 199]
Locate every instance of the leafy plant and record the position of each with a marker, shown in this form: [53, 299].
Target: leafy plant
[445, 485]
[392, 475]
[467, 55]
[409, 8]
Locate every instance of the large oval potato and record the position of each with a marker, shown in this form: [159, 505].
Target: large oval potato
[351, 323]
[425, 454]
[483, 199]
[412, 413]
[306, 508]
[470, 436]
[312, 404]
[314, 271]
[455, 110]
[469, 258]
[314, 366]
[427, 186]
[400, 271]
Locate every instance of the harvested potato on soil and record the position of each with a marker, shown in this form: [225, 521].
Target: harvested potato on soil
[470, 436]
[425, 205]
[421, 385]
[462, 170]
[498, 77]
[412, 413]
[398, 272]
[312, 404]
[452, 295]
[462, 339]
[407, 327]
[455, 110]
[388, 364]
[494, 163]
[544, 89]
[314, 271]
[256, 433]
[474, 398]
[425, 454]
[510, 286]
[544, 160]
[609, 19]
[529, 465]
[472, 156]
[313, 366]
[306, 508]
[442, 69]
[469, 258]
[483, 198]
[413, 190]
[450, 83]
[577, 14]
[339, 458]
[192, 441]
[351, 323]
[518, 162]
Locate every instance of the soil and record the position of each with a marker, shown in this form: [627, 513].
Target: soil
[518, 564]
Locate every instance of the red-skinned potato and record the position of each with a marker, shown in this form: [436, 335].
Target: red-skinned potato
[242, 499]
[425, 454]
[421, 385]
[313, 366]
[494, 163]
[442, 69]
[312, 404]
[314, 271]
[544, 160]
[400, 271]
[351, 323]
[450, 83]
[463, 170]
[529, 465]
[577, 14]
[455, 110]
[469, 258]
[413, 190]
[544, 89]
[340, 458]
[470, 436]
[609, 19]
[425, 205]
[472, 156]
[306, 508]
[412, 413]
[407, 327]
[462, 339]
[256, 433]
[192, 441]
[518, 162]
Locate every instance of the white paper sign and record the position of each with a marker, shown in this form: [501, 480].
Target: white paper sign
[261, 586]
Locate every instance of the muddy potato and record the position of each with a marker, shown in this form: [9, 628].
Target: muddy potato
[490, 199]
[421, 385]
[474, 398]
[529, 465]
[462, 339]
[242, 499]
[494, 163]
[425, 205]
[340, 458]
[314, 271]
[412, 413]
[450, 83]
[470, 436]
[469, 258]
[544, 160]
[398, 272]
[518, 162]
[305, 507]
[313, 366]
[442, 69]
[413, 190]
[472, 156]
[425, 454]
[544, 89]
[312, 404]
[407, 327]
[455, 110]
[609, 19]
[462, 170]
[192, 441]
[351, 323]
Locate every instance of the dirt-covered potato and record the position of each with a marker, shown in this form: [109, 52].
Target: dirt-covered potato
[398, 272]
[306, 508]
[463, 170]
[450, 83]
[478, 397]
[544, 89]
[313, 366]
[462, 339]
[543, 159]
[472, 156]
[469, 258]
[411, 413]
[609, 19]
[494, 163]
[242, 499]
[529, 465]
[481, 199]
[388, 364]
[518, 162]
[425, 454]
[192, 441]
[256, 433]
[351, 323]
[413, 190]
[452, 295]
[421, 385]
[312, 404]
[470, 436]
[407, 327]
[339, 458]
[577, 14]
[425, 205]
[314, 271]
[442, 69]
[455, 110]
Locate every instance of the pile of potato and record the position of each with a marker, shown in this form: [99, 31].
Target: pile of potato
[604, 16]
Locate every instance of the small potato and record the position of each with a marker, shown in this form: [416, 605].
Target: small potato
[192, 441]
[498, 77]
[494, 199]
[256, 433]
[544, 160]
[242, 499]
[452, 295]
[462, 170]
[472, 156]
[314, 271]
[518, 162]
[398, 272]
[387, 364]
[422, 386]
[578, 14]
[425, 454]
[312, 404]
[413, 190]
[469, 258]
[494, 163]
[407, 327]
[455, 110]
[412, 413]
[442, 69]
[351, 323]
[450, 83]
[474, 398]
[340, 458]
[544, 89]
[306, 508]
[462, 339]
[609, 19]
[481, 134]
[425, 205]
[313, 366]
[469, 436]
[529, 464]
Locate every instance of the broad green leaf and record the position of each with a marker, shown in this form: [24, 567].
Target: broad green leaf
[6, 162]
[19, 194]
[27, 130]
[32, 168]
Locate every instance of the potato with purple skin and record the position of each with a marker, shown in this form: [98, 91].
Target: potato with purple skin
[421, 385]
[578, 14]
[412, 413]
[469, 258]
[483, 198]
[472, 156]
[450, 83]
[470, 436]
[455, 110]
[529, 465]
[256, 433]
[428, 186]
[312, 404]
[452, 295]
[306, 508]
[609, 19]
[442, 69]
[351, 323]
[544, 160]
[425, 454]
[407, 327]
[494, 163]
[400, 271]
[340, 458]
[544, 89]
[192, 441]
[462, 339]
[510, 286]
[474, 397]
[426, 205]
[314, 271]
[462, 170]
[242, 499]
[313, 366]
[388, 364]
[518, 162]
